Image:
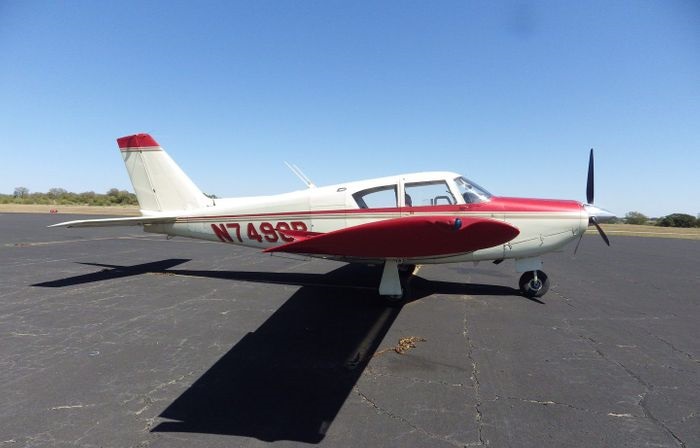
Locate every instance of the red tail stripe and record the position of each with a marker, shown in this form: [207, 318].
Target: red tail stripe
[137, 141]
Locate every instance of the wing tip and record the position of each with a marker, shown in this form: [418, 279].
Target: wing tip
[66, 224]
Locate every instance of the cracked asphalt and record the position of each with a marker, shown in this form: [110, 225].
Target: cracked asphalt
[118, 338]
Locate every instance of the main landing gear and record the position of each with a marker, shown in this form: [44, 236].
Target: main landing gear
[393, 286]
[534, 284]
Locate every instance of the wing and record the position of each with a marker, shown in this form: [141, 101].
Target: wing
[111, 222]
[408, 237]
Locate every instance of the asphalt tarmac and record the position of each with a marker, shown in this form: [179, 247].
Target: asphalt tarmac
[118, 338]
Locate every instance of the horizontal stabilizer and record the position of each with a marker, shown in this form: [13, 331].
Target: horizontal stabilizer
[113, 222]
[410, 237]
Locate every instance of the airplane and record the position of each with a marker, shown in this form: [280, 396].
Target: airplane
[399, 221]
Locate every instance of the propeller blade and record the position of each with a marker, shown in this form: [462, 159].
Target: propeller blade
[593, 212]
[589, 183]
[600, 229]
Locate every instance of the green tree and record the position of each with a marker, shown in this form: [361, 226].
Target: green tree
[635, 218]
[87, 197]
[678, 220]
[59, 196]
[121, 197]
[21, 192]
[56, 193]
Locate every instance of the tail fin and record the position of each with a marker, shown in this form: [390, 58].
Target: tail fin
[159, 184]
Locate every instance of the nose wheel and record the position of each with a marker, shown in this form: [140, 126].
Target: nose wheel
[534, 284]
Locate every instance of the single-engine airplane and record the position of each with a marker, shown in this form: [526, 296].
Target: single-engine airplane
[399, 221]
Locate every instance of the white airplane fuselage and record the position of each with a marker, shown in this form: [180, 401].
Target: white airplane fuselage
[545, 225]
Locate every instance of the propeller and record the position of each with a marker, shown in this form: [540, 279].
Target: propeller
[595, 214]
[590, 181]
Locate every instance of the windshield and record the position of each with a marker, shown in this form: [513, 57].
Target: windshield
[471, 192]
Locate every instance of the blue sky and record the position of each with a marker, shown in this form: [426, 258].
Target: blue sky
[511, 94]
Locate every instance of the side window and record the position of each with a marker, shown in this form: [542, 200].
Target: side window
[421, 194]
[377, 197]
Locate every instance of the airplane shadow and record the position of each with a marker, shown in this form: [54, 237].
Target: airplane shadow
[362, 277]
[111, 272]
[288, 379]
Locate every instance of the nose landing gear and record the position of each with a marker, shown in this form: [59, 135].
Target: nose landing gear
[534, 284]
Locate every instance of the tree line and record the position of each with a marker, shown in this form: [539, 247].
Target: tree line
[59, 196]
[672, 220]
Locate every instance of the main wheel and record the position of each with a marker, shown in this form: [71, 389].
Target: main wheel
[531, 287]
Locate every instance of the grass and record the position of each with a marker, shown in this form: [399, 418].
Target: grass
[118, 210]
[692, 233]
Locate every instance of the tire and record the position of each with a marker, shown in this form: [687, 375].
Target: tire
[531, 289]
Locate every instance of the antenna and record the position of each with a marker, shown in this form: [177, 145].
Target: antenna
[300, 174]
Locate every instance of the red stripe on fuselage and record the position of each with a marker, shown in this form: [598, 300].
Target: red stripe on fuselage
[527, 205]
[496, 205]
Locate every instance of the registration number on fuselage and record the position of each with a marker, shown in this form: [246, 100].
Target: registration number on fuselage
[232, 232]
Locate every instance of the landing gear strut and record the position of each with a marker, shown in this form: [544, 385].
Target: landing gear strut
[534, 284]
[394, 285]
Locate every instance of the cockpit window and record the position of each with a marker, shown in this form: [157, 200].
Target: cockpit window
[421, 194]
[385, 196]
[471, 192]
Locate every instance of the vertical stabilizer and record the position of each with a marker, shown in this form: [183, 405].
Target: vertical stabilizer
[159, 183]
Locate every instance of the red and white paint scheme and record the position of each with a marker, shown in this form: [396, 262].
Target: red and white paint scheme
[398, 221]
